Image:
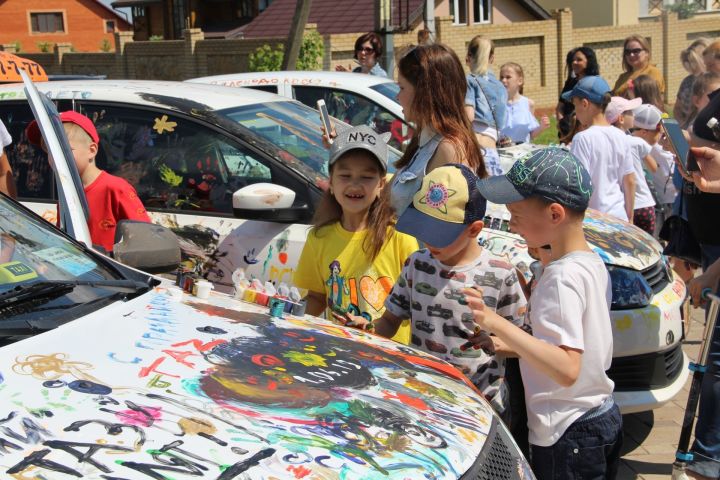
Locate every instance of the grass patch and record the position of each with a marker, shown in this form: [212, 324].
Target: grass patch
[549, 136]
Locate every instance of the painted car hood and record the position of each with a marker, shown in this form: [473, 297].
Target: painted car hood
[618, 243]
[183, 387]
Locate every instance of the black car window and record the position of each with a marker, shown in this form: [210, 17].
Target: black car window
[32, 172]
[263, 88]
[356, 110]
[173, 162]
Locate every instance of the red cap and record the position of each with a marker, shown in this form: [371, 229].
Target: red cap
[33, 130]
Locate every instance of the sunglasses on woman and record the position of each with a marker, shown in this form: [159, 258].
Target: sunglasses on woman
[366, 50]
[633, 51]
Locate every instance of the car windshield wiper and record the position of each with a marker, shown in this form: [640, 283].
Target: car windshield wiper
[54, 288]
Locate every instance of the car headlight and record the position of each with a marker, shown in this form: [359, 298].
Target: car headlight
[629, 289]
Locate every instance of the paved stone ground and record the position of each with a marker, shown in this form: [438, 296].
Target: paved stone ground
[651, 437]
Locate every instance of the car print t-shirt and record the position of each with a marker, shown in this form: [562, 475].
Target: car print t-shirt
[333, 262]
[430, 294]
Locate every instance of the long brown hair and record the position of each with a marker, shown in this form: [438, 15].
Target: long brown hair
[380, 216]
[439, 102]
[647, 88]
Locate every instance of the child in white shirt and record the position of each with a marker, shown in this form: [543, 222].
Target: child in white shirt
[603, 150]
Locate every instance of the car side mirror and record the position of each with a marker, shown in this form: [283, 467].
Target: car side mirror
[268, 202]
[146, 246]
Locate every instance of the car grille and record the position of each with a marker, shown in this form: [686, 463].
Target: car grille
[657, 276]
[648, 371]
[499, 459]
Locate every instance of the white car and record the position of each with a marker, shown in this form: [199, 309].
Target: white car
[354, 98]
[112, 373]
[192, 150]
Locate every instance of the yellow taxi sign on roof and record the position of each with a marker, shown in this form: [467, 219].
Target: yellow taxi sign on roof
[10, 66]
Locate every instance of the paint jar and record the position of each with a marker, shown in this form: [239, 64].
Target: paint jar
[249, 295]
[202, 289]
[299, 308]
[277, 307]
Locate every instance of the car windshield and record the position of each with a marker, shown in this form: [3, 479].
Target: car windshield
[32, 252]
[389, 90]
[294, 129]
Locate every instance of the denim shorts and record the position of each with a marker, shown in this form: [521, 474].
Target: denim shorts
[589, 449]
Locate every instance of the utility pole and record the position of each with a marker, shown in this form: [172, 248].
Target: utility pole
[429, 12]
[295, 37]
[383, 25]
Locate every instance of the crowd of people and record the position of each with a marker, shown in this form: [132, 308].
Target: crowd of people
[461, 302]
[458, 301]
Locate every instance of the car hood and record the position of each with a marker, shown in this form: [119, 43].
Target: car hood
[166, 381]
[619, 243]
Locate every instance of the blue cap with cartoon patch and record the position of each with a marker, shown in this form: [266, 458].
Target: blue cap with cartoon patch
[551, 173]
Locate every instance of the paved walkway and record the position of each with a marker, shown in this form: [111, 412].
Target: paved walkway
[651, 437]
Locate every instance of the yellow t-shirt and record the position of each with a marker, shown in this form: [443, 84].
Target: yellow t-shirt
[333, 261]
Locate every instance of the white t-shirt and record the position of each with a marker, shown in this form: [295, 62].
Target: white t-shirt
[5, 138]
[605, 153]
[570, 306]
[640, 149]
[662, 177]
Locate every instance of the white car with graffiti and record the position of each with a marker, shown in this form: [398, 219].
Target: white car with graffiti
[353, 98]
[110, 373]
[196, 153]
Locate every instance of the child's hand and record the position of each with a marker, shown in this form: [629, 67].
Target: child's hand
[485, 319]
[544, 122]
[354, 321]
[327, 138]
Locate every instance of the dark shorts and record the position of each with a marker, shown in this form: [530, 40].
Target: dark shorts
[589, 450]
[644, 218]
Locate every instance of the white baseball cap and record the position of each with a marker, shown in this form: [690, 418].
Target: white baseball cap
[620, 105]
[647, 116]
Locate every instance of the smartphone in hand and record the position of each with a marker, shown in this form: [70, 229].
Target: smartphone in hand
[679, 146]
[325, 119]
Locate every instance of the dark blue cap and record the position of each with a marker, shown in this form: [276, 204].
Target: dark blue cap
[592, 87]
[551, 173]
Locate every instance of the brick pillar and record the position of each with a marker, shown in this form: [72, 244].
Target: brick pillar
[121, 57]
[191, 36]
[673, 43]
[565, 42]
[9, 47]
[59, 50]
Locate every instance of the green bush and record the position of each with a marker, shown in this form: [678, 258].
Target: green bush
[266, 58]
[684, 8]
[105, 45]
[269, 59]
[45, 47]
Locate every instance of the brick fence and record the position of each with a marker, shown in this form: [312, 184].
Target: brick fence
[539, 46]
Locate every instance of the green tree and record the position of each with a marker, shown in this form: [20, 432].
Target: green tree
[269, 59]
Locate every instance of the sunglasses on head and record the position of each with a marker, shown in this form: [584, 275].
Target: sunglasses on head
[633, 51]
[367, 50]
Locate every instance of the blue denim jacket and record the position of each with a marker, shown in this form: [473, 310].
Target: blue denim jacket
[485, 93]
[377, 70]
[408, 180]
